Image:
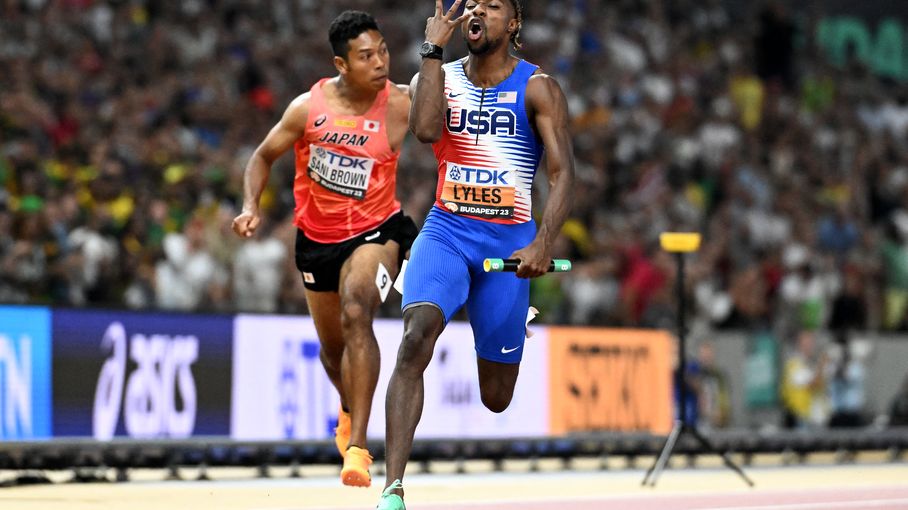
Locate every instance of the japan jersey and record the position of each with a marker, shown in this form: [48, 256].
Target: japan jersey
[346, 172]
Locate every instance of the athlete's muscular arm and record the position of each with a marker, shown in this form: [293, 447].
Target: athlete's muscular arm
[282, 136]
[548, 105]
[398, 115]
[427, 89]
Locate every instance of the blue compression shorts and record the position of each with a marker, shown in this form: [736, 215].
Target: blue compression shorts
[445, 270]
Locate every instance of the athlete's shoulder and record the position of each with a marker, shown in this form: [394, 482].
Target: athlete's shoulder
[297, 113]
[542, 83]
[399, 101]
[301, 101]
[399, 91]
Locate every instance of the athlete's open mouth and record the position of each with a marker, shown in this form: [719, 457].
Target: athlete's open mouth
[476, 30]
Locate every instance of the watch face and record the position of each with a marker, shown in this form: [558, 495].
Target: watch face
[426, 48]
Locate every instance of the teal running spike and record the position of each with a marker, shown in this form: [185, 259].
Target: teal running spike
[389, 500]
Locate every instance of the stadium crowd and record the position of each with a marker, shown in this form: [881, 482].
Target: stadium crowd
[125, 127]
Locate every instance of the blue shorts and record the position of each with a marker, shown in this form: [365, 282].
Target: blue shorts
[445, 270]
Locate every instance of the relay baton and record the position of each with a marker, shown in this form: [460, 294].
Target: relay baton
[510, 265]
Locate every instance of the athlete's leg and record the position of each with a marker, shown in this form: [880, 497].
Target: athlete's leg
[359, 301]
[423, 324]
[497, 307]
[496, 383]
[324, 307]
[435, 287]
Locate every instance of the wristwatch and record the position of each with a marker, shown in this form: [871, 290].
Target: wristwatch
[429, 50]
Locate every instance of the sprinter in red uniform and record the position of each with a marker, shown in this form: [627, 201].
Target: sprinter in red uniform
[346, 132]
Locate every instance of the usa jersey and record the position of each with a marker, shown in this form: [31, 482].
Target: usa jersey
[488, 153]
[346, 172]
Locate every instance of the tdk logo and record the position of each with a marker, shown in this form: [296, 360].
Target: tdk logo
[466, 175]
[346, 161]
[483, 122]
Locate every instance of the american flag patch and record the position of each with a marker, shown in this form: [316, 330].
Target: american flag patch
[371, 125]
[507, 97]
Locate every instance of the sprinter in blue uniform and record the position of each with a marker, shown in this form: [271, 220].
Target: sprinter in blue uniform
[490, 117]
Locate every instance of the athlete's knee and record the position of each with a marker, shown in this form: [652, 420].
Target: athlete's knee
[415, 351]
[496, 401]
[420, 333]
[496, 385]
[355, 314]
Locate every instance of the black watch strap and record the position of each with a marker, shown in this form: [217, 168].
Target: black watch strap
[429, 50]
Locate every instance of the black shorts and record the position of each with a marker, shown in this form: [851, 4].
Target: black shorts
[321, 263]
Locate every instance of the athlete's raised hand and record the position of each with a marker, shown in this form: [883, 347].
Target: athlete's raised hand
[440, 27]
[246, 223]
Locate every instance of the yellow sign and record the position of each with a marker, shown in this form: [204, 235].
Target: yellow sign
[610, 379]
[345, 123]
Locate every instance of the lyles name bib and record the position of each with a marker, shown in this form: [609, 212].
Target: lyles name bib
[480, 192]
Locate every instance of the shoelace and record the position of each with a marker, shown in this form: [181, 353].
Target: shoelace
[396, 484]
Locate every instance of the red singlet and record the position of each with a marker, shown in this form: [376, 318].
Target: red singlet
[346, 172]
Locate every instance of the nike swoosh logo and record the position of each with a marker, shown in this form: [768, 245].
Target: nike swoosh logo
[372, 236]
[453, 95]
[508, 351]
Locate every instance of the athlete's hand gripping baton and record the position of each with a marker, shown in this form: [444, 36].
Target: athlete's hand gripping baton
[510, 265]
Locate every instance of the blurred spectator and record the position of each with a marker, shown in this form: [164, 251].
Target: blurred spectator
[257, 271]
[847, 387]
[807, 289]
[189, 277]
[121, 123]
[713, 393]
[898, 410]
[895, 270]
[804, 382]
[849, 309]
[775, 44]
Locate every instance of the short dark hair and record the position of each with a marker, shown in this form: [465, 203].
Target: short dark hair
[348, 25]
[518, 10]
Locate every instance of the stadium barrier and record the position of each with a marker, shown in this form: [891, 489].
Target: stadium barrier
[117, 389]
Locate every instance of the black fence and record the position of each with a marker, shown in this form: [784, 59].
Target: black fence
[30, 458]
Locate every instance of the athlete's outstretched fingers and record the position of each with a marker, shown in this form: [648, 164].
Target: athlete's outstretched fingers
[439, 8]
[453, 9]
[463, 17]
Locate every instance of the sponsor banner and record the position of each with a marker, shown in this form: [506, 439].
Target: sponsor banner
[280, 389]
[882, 45]
[610, 379]
[141, 375]
[25, 373]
